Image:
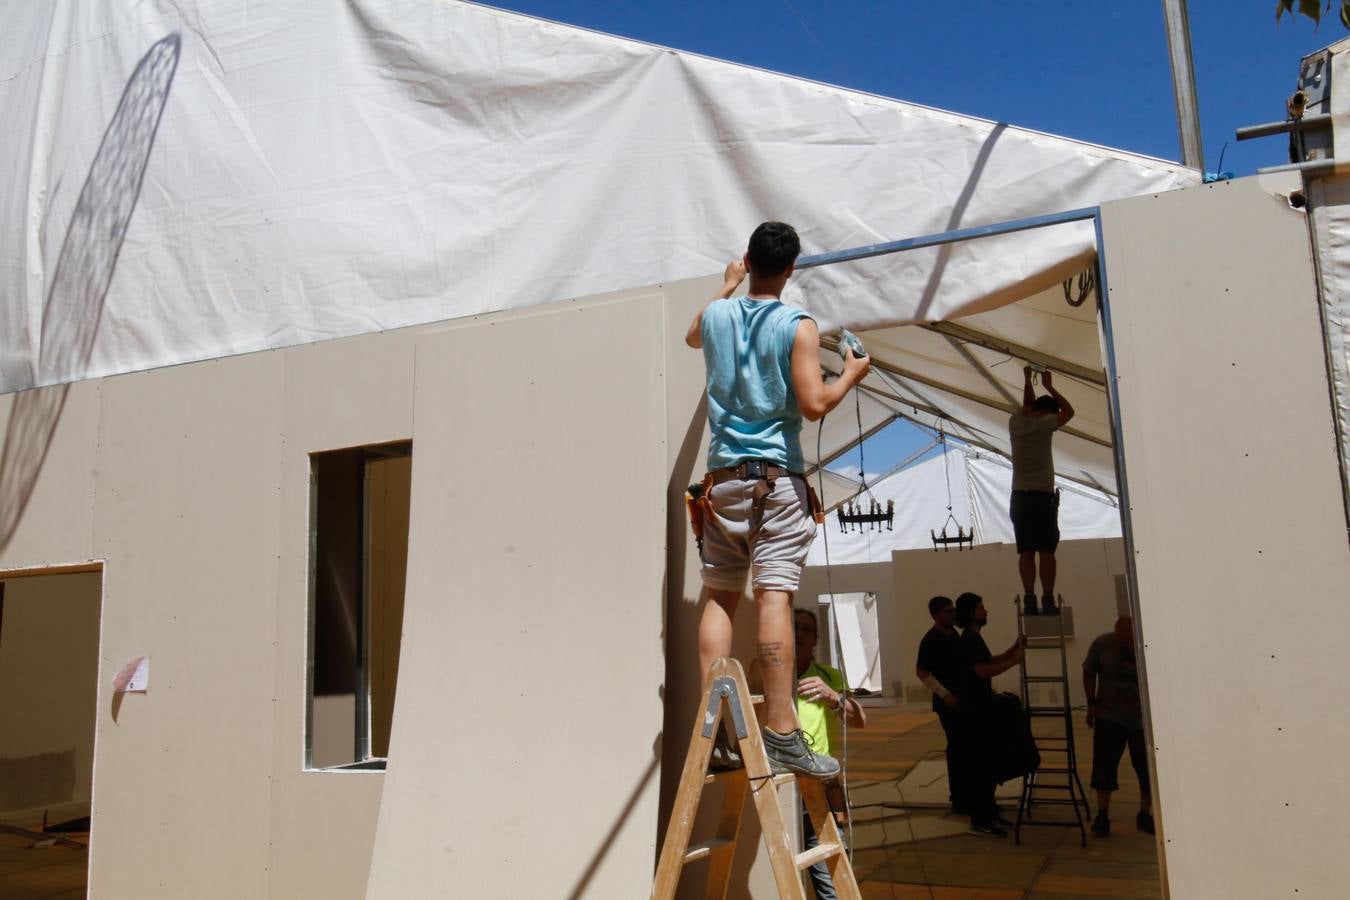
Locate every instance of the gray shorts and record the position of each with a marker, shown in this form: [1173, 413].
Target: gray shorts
[769, 539]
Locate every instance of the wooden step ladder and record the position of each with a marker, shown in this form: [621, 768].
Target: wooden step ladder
[1055, 782]
[725, 692]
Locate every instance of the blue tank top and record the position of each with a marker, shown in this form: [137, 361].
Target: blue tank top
[752, 408]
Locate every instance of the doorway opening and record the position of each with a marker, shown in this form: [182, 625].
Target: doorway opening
[49, 674]
[958, 382]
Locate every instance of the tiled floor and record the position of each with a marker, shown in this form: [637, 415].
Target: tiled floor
[43, 867]
[897, 858]
[900, 862]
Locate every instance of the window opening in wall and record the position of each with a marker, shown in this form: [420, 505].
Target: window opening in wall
[359, 502]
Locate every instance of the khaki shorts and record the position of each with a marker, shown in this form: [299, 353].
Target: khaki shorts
[768, 540]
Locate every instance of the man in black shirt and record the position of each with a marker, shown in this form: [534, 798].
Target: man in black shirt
[976, 690]
[939, 668]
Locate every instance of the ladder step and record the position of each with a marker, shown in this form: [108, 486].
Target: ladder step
[1057, 803]
[1043, 711]
[819, 853]
[714, 777]
[705, 849]
[1045, 679]
[1050, 787]
[1053, 770]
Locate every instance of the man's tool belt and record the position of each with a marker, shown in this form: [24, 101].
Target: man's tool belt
[759, 470]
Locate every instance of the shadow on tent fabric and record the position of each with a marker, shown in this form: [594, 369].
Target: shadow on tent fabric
[954, 220]
[84, 269]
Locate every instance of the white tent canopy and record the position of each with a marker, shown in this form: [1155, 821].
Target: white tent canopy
[980, 486]
[327, 170]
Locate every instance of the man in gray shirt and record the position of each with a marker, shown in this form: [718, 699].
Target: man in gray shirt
[1034, 507]
[1111, 683]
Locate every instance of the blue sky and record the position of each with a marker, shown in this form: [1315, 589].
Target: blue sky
[1094, 71]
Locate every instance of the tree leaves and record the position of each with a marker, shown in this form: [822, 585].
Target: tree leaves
[1313, 9]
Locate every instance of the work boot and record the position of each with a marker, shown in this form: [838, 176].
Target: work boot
[788, 753]
[1029, 605]
[987, 828]
[1101, 826]
[724, 756]
[1144, 822]
[1048, 607]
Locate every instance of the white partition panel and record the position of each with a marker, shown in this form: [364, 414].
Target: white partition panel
[345, 393]
[1239, 536]
[187, 510]
[525, 747]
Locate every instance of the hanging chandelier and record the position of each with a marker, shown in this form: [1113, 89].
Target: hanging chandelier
[873, 516]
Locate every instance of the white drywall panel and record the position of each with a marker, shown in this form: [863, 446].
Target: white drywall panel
[188, 504]
[48, 686]
[1239, 536]
[56, 525]
[524, 754]
[1087, 571]
[345, 393]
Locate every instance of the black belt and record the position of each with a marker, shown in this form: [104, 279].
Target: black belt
[753, 469]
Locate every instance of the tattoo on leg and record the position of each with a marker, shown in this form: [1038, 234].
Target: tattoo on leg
[771, 653]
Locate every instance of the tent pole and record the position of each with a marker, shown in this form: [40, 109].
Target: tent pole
[1183, 82]
[946, 237]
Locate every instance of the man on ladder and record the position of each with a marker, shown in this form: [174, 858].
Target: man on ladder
[763, 370]
[1034, 505]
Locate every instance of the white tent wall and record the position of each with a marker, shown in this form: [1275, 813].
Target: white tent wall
[1091, 578]
[980, 488]
[1237, 520]
[1084, 513]
[326, 170]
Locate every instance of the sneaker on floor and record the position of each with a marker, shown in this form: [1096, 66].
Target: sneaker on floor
[1048, 607]
[1029, 605]
[1101, 826]
[987, 829]
[725, 757]
[788, 753]
[1144, 822]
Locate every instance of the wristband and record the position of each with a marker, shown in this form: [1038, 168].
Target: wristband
[935, 686]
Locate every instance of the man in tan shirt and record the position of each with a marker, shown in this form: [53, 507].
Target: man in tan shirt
[1034, 507]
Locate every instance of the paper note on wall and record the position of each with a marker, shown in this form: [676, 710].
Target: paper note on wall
[134, 676]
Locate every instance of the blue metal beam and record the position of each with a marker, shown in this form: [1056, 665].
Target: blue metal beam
[947, 237]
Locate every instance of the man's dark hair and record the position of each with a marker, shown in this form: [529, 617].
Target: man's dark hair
[1046, 403]
[773, 247]
[965, 607]
[803, 611]
[938, 603]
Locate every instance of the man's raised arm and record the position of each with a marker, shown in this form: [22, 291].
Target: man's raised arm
[1065, 407]
[814, 397]
[731, 280]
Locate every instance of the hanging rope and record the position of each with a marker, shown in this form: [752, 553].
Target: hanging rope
[962, 538]
[1087, 280]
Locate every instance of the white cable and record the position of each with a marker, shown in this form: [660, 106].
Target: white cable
[843, 671]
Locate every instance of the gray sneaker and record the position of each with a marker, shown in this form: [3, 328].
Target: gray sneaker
[788, 754]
